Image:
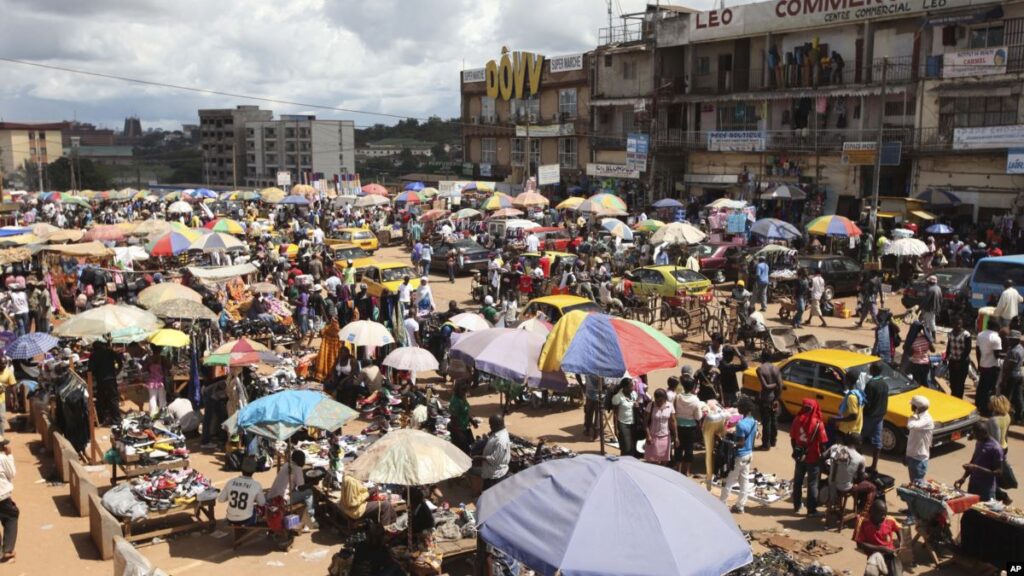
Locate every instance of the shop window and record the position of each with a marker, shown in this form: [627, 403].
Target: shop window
[567, 152]
[986, 37]
[487, 109]
[488, 151]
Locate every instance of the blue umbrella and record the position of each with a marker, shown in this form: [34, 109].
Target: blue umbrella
[668, 203]
[31, 345]
[573, 190]
[280, 415]
[775, 229]
[939, 229]
[295, 200]
[414, 186]
[204, 193]
[554, 517]
[938, 197]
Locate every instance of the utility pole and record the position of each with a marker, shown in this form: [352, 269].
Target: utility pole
[878, 152]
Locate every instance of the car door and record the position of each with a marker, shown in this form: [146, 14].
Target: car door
[798, 378]
[828, 389]
[649, 281]
[373, 285]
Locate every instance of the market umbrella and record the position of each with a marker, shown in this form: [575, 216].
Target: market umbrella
[411, 359]
[130, 335]
[481, 187]
[901, 233]
[203, 194]
[774, 249]
[152, 228]
[414, 186]
[264, 288]
[905, 247]
[429, 192]
[182, 309]
[294, 200]
[939, 229]
[833, 225]
[608, 212]
[158, 293]
[938, 198]
[375, 190]
[617, 228]
[466, 214]
[103, 320]
[65, 236]
[508, 353]
[303, 190]
[602, 200]
[677, 233]
[431, 215]
[217, 241]
[668, 203]
[280, 415]
[729, 203]
[226, 225]
[606, 346]
[775, 229]
[786, 192]
[241, 352]
[179, 207]
[571, 203]
[169, 244]
[410, 197]
[410, 457]
[44, 230]
[170, 337]
[31, 345]
[506, 213]
[649, 225]
[366, 333]
[537, 325]
[330, 349]
[530, 200]
[554, 518]
[496, 201]
[470, 321]
[372, 201]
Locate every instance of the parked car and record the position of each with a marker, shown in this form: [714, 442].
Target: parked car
[956, 290]
[842, 275]
[553, 307]
[342, 253]
[821, 374]
[381, 276]
[360, 237]
[720, 261]
[530, 259]
[669, 281]
[989, 275]
[553, 238]
[475, 256]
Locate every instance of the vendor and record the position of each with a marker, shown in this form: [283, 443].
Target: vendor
[242, 494]
[421, 518]
[290, 484]
[986, 464]
[497, 452]
[878, 535]
[356, 503]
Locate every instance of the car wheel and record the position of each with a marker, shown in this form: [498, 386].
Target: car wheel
[830, 292]
[893, 441]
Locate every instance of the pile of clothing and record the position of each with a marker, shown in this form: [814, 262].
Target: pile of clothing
[778, 563]
[139, 439]
[526, 453]
[158, 491]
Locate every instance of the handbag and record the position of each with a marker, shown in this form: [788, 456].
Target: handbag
[1007, 479]
[800, 452]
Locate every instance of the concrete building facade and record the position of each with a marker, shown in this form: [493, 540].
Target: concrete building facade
[36, 143]
[222, 138]
[308, 148]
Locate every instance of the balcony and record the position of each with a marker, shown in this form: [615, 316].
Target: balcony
[919, 140]
[631, 32]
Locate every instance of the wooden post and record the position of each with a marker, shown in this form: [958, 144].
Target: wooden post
[95, 456]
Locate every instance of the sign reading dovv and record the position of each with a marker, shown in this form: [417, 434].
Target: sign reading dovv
[513, 74]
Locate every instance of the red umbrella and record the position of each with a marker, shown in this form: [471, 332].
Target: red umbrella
[104, 233]
[375, 189]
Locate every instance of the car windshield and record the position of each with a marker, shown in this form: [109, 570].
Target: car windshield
[350, 253]
[364, 235]
[998, 272]
[393, 274]
[687, 275]
[946, 277]
[704, 250]
[898, 383]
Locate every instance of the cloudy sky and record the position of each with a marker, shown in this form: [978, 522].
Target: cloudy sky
[390, 56]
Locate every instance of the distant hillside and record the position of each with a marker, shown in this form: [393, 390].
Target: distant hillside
[433, 131]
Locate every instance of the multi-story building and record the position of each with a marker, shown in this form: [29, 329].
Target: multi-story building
[87, 134]
[310, 149]
[222, 138]
[39, 144]
[508, 138]
[132, 127]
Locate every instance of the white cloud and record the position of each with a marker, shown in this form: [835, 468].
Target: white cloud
[391, 56]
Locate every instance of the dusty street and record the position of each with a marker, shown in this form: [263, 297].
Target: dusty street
[52, 541]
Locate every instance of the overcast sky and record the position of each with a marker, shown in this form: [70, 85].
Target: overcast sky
[393, 56]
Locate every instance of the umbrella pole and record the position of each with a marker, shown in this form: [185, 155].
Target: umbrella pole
[600, 415]
[408, 498]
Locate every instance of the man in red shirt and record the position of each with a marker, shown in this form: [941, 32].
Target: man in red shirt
[878, 535]
[545, 264]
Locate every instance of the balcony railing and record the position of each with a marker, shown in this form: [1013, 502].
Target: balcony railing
[631, 32]
[793, 76]
[820, 141]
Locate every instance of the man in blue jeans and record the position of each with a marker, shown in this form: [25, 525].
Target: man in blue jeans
[762, 283]
[745, 432]
[290, 484]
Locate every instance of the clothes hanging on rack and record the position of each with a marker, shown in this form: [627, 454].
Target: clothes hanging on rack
[73, 413]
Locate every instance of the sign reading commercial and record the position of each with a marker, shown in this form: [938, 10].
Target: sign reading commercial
[513, 75]
[548, 174]
[977, 62]
[612, 171]
[1015, 161]
[736, 141]
[565, 63]
[474, 75]
[988, 137]
[783, 15]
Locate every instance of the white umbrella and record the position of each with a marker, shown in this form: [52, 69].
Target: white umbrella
[786, 192]
[105, 319]
[411, 359]
[216, 241]
[372, 200]
[677, 233]
[470, 321]
[410, 457]
[727, 203]
[179, 207]
[905, 247]
[365, 333]
[902, 233]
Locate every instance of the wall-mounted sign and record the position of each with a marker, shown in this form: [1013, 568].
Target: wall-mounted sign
[863, 153]
[637, 145]
[565, 63]
[513, 75]
[485, 169]
[284, 178]
[545, 131]
[474, 75]
[977, 62]
[736, 141]
[988, 137]
[548, 174]
[1015, 161]
[611, 171]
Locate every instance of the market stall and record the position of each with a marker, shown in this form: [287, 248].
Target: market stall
[993, 533]
[141, 505]
[933, 506]
[143, 446]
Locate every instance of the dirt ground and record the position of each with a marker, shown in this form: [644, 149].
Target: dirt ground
[54, 541]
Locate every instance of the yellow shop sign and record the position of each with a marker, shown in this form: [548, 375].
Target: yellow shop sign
[513, 74]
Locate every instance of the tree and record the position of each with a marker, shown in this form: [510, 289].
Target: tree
[88, 175]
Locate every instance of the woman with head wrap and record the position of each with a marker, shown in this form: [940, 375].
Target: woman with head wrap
[807, 436]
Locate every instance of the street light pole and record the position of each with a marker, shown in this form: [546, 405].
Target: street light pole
[878, 153]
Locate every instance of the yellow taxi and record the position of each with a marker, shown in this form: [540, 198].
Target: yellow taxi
[553, 307]
[530, 259]
[820, 375]
[342, 253]
[381, 276]
[669, 281]
[360, 237]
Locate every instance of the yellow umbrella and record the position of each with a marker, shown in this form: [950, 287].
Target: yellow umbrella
[185, 231]
[170, 337]
[272, 195]
[571, 203]
[303, 190]
[165, 291]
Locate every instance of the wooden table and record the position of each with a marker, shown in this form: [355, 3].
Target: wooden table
[133, 470]
[330, 511]
[453, 550]
[136, 531]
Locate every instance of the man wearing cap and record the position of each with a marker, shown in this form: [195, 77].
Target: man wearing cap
[243, 494]
[931, 304]
[1007, 309]
[920, 427]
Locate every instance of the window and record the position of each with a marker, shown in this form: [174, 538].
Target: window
[628, 120]
[289, 132]
[290, 159]
[737, 117]
[518, 151]
[800, 372]
[899, 108]
[269, 133]
[305, 160]
[567, 102]
[289, 147]
[703, 66]
[628, 70]
[486, 109]
[488, 151]
[829, 379]
[977, 112]
[523, 107]
[567, 152]
[987, 37]
[271, 158]
[607, 60]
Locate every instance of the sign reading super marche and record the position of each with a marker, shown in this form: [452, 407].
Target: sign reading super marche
[782, 15]
[513, 74]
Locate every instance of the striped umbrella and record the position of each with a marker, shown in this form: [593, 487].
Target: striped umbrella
[833, 225]
[169, 244]
[608, 346]
[31, 345]
[603, 200]
[215, 242]
[466, 213]
[649, 225]
[497, 201]
[530, 199]
[431, 215]
[241, 352]
[226, 225]
[480, 187]
[409, 197]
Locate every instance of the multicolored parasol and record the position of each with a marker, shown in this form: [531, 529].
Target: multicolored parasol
[226, 225]
[833, 225]
[607, 346]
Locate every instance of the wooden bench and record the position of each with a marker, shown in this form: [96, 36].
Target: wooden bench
[81, 488]
[103, 527]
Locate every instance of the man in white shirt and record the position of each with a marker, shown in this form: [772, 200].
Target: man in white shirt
[497, 452]
[8, 509]
[1009, 303]
[242, 494]
[290, 484]
[412, 328]
[920, 427]
[405, 296]
[532, 243]
[817, 291]
[989, 345]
